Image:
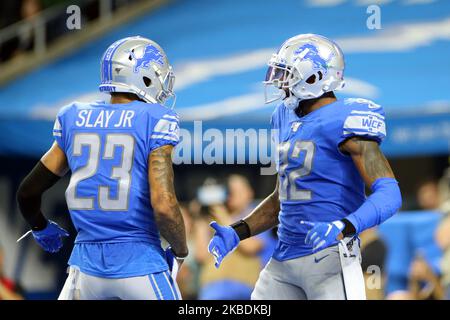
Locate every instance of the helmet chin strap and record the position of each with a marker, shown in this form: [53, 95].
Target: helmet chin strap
[290, 102]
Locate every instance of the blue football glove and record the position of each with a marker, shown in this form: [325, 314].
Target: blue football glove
[225, 240]
[50, 238]
[322, 234]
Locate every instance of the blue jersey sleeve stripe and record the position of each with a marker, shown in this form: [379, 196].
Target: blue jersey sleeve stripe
[360, 130]
[161, 133]
[355, 132]
[164, 137]
[368, 113]
[170, 120]
[166, 116]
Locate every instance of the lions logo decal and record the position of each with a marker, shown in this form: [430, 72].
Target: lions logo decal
[309, 52]
[151, 54]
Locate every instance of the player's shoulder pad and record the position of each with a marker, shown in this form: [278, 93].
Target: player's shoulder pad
[361, 104]
[165, 125]
[363, 118]
[158, 111]
[66, 109]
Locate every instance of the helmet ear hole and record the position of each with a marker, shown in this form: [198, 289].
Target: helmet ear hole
[147, 81]
[311, 79]
[130, 57]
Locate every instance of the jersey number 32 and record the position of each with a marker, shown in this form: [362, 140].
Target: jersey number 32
[288, 189]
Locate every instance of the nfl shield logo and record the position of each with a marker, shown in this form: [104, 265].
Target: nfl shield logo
[295, 126]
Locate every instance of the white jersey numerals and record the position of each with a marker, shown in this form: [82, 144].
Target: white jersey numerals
[288, 189]
[121, 173]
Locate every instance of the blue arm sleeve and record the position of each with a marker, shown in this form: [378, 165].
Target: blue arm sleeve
[382, 204]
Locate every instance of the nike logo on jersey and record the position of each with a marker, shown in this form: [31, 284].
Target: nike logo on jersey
[317, 260]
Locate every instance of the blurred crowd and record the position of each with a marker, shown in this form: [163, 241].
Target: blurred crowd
[224, 202]
[28, 11]
[428, 272]
[9, 290]
[230, 199]
[12, 11]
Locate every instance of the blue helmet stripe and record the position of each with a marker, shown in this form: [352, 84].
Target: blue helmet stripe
[107, 61]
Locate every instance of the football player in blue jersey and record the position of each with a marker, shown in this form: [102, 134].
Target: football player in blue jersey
[121, 195]
[328, 151]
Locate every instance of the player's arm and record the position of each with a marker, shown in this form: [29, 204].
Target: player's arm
[262, 218]
[164, 201]
[43, 176]
[377, 174]
[382, 204]
[368, 159]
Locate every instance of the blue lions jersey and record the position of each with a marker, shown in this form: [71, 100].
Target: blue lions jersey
[317, 182]
[107, 147]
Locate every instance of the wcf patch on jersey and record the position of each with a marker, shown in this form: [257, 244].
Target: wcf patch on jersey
[365, 122]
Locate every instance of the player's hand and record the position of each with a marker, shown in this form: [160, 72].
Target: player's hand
[323, 234]
[50, 238]
[225, 240]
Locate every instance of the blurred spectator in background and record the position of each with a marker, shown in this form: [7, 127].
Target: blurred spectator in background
[443, 232]
[240, 202]
[424, 283]
[8, 289]
[443, 240]
[187, 277]
[427, 195]
[423, 278]
[373, 254]
[9, 14]
[29, 9]
[444, 191]
[239, 271]
[12, 12]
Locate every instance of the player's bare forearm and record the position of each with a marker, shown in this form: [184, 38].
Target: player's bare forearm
[265, 215]
[368, 159]
[43, 176]
[164, 201]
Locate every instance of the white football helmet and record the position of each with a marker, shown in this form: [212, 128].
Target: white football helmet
[308, 65]
[140, 66]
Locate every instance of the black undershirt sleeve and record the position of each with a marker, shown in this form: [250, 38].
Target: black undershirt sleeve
[242, 229]
[349, 229]
[30, 193]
